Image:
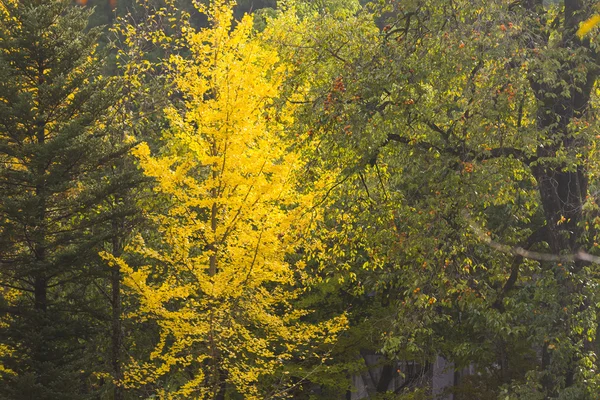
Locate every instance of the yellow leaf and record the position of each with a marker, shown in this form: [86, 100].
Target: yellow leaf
[588, 25]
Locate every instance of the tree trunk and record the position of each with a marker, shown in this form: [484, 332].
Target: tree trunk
[562, 186]
[116, 337]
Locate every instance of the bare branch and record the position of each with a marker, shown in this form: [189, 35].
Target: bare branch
[581, 255]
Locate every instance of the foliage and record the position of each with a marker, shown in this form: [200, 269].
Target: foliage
[59, 151]
[398, 177]
[215, 281]
[486, 107]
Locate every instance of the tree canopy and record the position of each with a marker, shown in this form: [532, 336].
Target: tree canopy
[299, 199]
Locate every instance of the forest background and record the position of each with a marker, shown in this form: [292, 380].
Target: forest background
[241, 201]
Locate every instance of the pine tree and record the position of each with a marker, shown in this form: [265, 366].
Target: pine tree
[57, 146]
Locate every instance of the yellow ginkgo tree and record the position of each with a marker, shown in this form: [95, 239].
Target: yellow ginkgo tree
[215, 280]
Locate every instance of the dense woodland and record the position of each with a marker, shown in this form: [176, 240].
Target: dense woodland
[209, 200]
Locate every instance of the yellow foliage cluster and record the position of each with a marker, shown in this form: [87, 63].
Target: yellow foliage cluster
[588, 25]
[4, 8]
[216, 282]
[8, 296]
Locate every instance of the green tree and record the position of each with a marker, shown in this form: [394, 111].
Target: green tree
[59, 153]
[486, 107]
